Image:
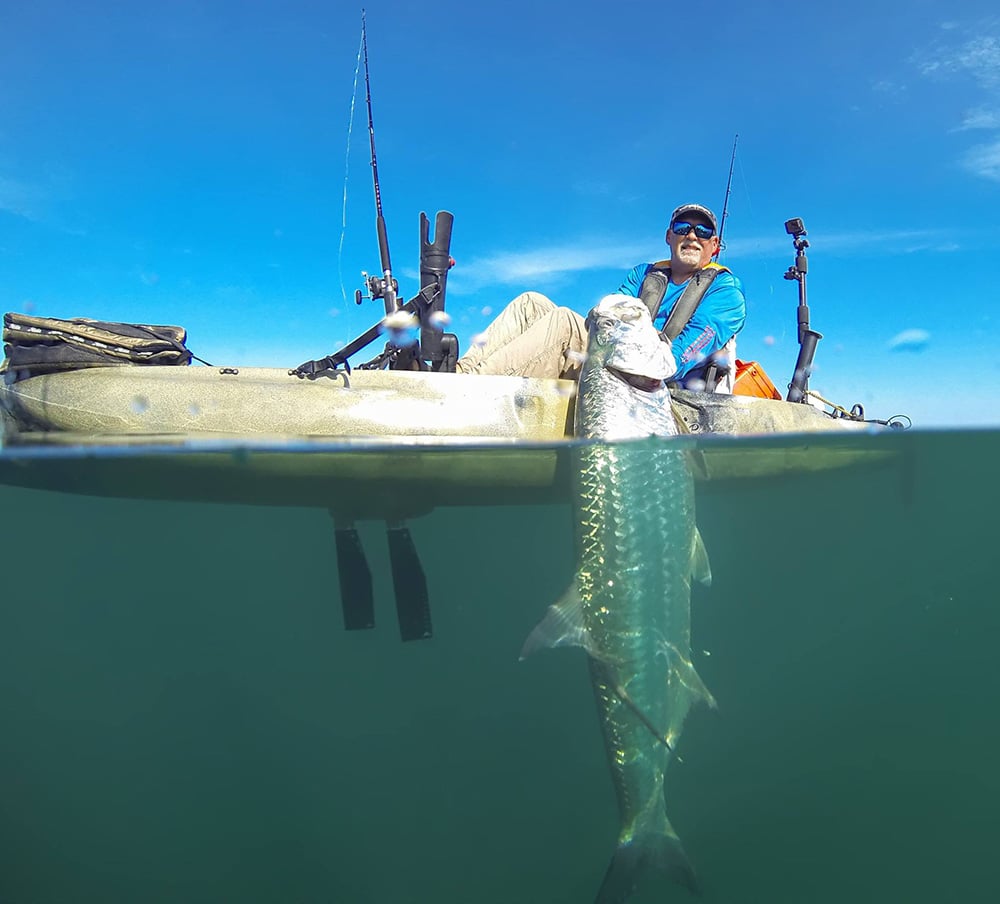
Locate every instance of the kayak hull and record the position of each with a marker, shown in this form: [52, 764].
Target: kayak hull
[385, 444]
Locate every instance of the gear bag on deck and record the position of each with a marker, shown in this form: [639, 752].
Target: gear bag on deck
[41, 345]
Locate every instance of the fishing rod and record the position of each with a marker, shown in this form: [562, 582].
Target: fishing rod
[435, 349]
[729, 185]
[385, 288]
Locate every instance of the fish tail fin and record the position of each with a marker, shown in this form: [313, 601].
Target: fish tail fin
[655, 851]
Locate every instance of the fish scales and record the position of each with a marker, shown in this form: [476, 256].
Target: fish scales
[630, 603]
[636, 502]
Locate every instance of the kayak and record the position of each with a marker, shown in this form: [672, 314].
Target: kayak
[369, 443]
[136, 404]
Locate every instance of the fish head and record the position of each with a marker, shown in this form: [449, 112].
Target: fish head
[622, 339]
[623, 392]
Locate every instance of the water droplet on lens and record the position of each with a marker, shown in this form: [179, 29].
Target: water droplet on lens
[139, 405]
[439, 320]
[400, 320]
[479, 340]
[402, 328]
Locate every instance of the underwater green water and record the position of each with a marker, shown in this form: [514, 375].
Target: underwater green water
[184, 718]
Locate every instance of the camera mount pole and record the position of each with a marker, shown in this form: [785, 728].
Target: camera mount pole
[808, 338]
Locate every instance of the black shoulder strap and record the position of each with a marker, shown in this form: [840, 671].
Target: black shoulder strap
[690, 298]
[654, 288]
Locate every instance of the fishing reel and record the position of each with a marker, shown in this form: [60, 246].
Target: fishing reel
[376, 286]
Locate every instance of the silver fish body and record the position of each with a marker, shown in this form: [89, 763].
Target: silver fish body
[629, 607]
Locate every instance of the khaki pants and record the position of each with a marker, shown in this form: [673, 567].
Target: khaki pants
[530, 338]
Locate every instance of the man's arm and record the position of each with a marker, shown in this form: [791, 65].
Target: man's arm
[633, 280]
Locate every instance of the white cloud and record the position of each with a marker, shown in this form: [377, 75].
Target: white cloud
[19, 198]
[900, 241]
[984, 160]
[545, 266]
[972, 51]
[889, 88]
[541, 266]
[978, 56]
[980, 118]
[913, 340]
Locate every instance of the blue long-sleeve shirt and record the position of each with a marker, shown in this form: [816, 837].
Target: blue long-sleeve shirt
[720, 316]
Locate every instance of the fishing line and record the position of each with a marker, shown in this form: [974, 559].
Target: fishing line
[761, 259]
[347, 168]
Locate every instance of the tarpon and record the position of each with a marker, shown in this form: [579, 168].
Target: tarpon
[630, 604]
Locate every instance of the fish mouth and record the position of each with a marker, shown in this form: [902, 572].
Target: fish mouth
[638, 381]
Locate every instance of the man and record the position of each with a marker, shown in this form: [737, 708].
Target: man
[534, 338]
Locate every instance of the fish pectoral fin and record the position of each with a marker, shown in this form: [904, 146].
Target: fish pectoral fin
[562, 626]
[700, 568]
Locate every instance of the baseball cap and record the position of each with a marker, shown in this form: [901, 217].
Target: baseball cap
[678, 214]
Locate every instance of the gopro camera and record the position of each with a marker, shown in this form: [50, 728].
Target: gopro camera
[795, 226]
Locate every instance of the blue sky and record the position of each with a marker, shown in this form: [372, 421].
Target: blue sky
[186, 163]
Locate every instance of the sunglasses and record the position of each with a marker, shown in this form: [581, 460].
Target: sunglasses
[702, 232]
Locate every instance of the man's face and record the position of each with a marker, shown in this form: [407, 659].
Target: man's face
[688, 249]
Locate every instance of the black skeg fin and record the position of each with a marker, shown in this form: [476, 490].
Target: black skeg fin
[355, 579]
[631, 860]
[412, 604]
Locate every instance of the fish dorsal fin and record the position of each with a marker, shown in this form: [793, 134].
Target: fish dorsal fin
[562, 626]
[700, 569]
